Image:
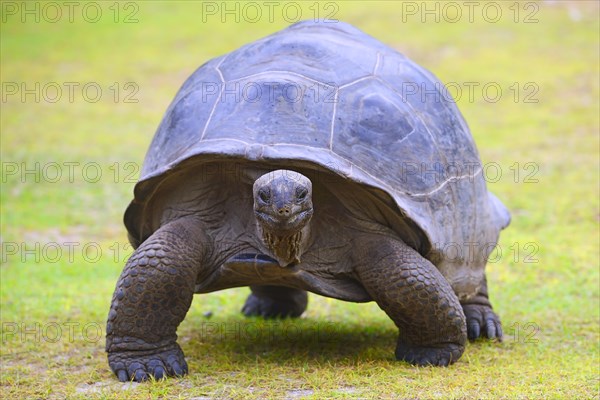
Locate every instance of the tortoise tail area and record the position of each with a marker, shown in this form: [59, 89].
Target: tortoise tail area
[500, 213]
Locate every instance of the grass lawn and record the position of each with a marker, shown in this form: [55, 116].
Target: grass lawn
[83, 90]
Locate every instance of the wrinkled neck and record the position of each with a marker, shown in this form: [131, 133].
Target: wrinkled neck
[287, 248]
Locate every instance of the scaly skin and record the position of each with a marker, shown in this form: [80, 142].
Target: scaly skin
[275, 302]
[417, 298]
[156, 287]
[153, 294]
[482, 321]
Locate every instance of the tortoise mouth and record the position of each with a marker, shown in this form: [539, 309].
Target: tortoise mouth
[287, 225]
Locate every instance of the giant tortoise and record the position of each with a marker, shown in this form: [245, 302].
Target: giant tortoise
[315, 159]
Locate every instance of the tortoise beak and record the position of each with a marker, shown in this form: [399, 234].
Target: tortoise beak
[284, 219]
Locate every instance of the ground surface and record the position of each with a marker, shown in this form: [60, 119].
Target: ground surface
[69, 162]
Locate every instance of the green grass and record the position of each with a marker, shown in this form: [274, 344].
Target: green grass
[54, 306]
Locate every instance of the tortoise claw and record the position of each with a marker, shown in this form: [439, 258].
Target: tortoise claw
[482, 321]
[141, 366]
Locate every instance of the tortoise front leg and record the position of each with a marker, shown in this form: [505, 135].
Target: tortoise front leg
[415, 295]
[153, 294]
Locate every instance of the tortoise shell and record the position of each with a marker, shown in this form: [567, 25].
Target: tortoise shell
[325, 96]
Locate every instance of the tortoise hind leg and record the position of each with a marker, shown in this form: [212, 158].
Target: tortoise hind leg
[275, 302]
[416, 297]
[482, 321]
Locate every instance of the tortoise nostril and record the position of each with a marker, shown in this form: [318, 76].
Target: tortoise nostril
[285, 211]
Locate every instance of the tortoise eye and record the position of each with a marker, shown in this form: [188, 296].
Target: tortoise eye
[264, 195]
[301, 194]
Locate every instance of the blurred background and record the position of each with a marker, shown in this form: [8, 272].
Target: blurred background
[84, 87]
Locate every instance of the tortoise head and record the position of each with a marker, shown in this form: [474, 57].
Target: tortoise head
[283, 201]
[283, 209]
